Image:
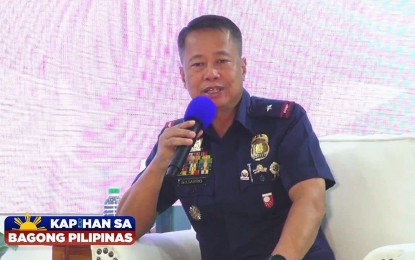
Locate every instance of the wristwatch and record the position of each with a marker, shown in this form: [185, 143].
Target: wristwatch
[276, 257]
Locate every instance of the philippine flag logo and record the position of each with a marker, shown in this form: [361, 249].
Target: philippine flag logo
[27, 224]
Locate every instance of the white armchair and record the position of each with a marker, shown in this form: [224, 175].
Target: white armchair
[373, 203]
[371, 210]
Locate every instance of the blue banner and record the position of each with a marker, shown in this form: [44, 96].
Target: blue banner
[65, 223]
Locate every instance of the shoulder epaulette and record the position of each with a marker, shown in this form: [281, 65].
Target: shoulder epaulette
[270, 107]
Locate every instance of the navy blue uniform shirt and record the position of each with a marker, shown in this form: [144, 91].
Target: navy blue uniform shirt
[234, 189]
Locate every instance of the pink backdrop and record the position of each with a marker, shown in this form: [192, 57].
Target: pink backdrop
[87, 85]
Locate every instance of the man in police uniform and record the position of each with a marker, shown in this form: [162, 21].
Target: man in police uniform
[254, 183]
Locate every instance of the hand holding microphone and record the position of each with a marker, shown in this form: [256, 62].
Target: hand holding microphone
[203, 111]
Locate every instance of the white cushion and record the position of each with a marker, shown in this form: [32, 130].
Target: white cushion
[401, 252]
[373, 202]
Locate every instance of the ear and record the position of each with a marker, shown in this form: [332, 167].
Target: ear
[243, 67]
[182, 76]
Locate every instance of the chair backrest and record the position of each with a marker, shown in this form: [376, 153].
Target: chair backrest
[373, 202]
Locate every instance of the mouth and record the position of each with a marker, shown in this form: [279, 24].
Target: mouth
[213, 90]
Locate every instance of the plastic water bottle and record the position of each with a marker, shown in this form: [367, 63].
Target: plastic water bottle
[111, 203]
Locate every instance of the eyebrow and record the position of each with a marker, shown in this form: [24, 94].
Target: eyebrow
[218, 53]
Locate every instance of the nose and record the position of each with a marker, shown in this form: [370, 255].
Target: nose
[211, 73]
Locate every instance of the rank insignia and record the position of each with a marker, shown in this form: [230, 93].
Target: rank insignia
[274, 168]
[259, 147]
[244, 175]
[195, 213]
[268, 200]
[259, 168]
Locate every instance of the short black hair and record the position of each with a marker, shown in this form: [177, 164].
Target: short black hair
[210, 22]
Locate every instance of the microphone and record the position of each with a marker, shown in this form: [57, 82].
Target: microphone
[203, 111]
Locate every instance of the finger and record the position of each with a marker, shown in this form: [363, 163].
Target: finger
[187, 124]
[178, 135]
[178, 141]
[199, 134]
[182, 130]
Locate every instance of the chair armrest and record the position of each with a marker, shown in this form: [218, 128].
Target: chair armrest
[159, 246]
[399, 251]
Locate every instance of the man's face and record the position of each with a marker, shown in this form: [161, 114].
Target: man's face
[212, 67]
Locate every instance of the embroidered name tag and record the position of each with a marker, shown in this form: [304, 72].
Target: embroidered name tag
[191, 181]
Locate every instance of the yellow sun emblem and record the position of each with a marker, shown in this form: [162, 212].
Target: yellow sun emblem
[28, 225]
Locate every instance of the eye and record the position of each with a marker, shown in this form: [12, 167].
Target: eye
[222, 61]
[197, 64]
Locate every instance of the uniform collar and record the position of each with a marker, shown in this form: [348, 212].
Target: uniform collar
[242, 114]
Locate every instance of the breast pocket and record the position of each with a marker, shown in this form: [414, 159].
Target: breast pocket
[191, 191]
[263, 197]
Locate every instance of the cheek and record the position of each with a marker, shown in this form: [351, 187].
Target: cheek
[234, 78]
[192, 80]
[191, 86]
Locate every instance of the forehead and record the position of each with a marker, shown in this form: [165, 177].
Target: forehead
[206, 41]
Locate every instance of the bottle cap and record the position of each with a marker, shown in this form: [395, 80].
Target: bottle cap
[113, 190]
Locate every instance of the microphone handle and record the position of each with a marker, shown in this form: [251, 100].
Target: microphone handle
[180, 156]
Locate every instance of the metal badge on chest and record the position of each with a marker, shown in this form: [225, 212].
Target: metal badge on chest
[259, 151]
